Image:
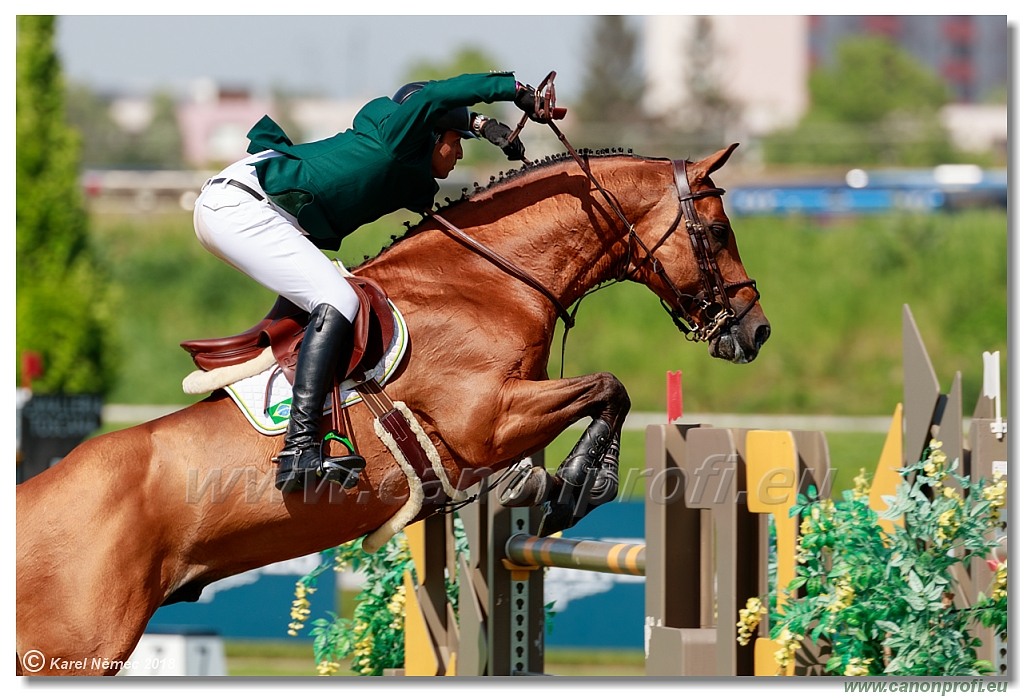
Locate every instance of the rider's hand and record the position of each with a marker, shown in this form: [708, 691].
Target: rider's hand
[525, 100]
[498, 134]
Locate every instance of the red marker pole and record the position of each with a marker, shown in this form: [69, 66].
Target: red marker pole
[674, 395]
[31, 367]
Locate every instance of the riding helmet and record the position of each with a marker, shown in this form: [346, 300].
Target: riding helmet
[457, 119]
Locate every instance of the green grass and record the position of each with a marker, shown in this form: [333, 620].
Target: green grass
[833, 292]
[255, 659]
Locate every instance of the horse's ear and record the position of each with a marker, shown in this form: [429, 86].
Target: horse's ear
[704, 168]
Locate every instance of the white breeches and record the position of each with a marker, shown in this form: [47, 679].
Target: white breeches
[267, 244]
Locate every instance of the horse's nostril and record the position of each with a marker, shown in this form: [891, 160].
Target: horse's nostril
[761, 335]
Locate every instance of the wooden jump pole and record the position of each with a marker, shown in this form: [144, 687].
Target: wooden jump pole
[586, 555]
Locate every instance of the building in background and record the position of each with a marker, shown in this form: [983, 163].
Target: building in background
[763, 64]
[969, 52]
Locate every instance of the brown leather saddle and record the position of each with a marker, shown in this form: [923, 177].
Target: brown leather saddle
[284, 325]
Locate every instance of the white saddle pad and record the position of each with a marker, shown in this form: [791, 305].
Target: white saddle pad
[265, 399]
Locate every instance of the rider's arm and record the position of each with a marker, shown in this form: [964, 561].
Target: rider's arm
[414, 118]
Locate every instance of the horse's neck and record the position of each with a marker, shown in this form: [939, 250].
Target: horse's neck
[554, 224]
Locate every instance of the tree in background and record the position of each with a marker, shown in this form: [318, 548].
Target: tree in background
[875, 105]
[159, 144]
[467, 59]
[63, 304]
[709, 114]
[89, 114]
[610, 107]
[105, 144]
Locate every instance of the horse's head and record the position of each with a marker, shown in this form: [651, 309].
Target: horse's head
[687, 254]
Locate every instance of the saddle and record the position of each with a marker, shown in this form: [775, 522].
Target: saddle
[284, 326]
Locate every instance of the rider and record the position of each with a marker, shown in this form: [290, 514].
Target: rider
[270, 212]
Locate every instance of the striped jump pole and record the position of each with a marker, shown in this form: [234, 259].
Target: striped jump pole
[604, 557]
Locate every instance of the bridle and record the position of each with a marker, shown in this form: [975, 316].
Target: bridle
[713, 312]
[701, 317]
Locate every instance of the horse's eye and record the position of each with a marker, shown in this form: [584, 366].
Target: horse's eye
[720, 232]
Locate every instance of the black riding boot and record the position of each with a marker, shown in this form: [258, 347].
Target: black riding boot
[329, 335]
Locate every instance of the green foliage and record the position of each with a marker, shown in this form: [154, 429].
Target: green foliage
[106, 145]
[467, 59]
[871, 79]
[885, 602]
[63, 305]
[876, 105]
[159, 145]
[613, 86]
[709, 109]
[89, 114]
[373, 638]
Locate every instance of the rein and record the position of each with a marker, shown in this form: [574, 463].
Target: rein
[714, 312]
[505, 264]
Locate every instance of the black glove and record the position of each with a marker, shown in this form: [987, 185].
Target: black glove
[525, 100]
[497, 133]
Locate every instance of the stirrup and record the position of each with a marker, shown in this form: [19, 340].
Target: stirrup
[343, 469]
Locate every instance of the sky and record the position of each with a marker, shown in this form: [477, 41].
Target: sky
[337, 56]
[353, 56]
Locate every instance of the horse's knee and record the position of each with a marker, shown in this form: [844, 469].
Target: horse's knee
[614, 397]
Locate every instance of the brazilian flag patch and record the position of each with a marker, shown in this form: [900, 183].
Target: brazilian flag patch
[280, 412]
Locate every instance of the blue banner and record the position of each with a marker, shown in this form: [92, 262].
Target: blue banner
[252, 605]
[592, 609]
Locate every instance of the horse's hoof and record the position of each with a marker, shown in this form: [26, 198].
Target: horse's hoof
[556, 517]
[529, 487]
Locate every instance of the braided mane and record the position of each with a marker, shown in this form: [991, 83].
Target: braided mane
[502, 178]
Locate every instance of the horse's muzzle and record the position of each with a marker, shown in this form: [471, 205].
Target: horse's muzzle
[740, 342]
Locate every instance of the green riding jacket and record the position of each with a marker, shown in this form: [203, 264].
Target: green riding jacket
[380, 165]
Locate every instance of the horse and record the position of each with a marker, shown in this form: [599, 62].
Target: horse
[148, 515]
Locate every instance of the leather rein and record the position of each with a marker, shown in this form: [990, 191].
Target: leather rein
[713, 311]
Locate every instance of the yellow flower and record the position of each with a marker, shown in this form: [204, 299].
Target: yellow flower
[789, 643]
[999, 582]
[396, 606]
[844, 595]
[948, 524]
[750, 618]
[327, 668]
[935, 465]
[995, 494]
[857, 667]
[861, 484]
[300, 608]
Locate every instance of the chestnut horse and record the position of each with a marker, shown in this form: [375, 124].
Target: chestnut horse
[137, 518]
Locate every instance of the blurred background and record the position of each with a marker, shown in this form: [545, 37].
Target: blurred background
[872, 173]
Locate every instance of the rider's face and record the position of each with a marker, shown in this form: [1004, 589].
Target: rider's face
[447, 152]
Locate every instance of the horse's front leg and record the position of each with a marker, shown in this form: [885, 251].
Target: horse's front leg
[589, 475]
